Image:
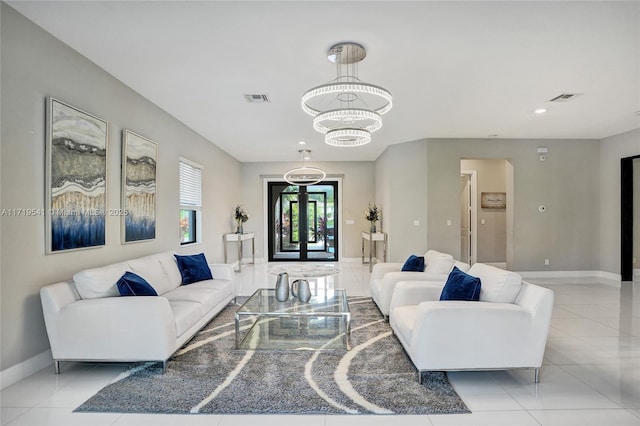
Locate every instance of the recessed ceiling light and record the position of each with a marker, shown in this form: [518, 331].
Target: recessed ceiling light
[302, 143]
[540, 111]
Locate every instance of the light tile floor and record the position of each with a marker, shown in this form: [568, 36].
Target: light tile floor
[590, 376]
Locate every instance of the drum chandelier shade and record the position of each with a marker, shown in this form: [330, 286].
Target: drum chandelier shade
[347, 110]
[304, 176]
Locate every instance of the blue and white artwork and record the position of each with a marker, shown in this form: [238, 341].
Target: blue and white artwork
[76, 178]
[139, 187]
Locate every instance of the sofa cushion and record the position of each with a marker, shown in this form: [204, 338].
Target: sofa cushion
[461, 286]
[151, 270]
[414, 263]
[99, 282]
[131, 284]
[437, 262]
[193, 268]
[207, 295]
[170, 267]
[498, 285]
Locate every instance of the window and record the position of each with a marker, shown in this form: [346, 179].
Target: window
[190, 201]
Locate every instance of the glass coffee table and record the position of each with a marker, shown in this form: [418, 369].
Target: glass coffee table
[323, 323]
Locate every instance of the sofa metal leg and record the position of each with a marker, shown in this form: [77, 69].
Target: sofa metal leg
[164, 366]
[537, 375]
[56, 366]
[420, 376]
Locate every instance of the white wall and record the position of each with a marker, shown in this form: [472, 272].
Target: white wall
[35, 65]
[612, 149]
[357, 192]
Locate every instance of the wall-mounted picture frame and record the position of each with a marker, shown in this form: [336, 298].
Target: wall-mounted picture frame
[76, 178]
[493, 200]
[138, 213]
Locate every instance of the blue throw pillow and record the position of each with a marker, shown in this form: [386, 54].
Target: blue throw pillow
[461, 286]
[131, 284]
[414, 263]
[193, 268]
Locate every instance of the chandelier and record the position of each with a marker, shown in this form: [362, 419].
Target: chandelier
[304, 176]
[347, 110]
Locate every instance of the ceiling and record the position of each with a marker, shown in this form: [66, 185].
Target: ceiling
[455, 69]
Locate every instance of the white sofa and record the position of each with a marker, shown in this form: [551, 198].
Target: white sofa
[88, 320]
[385, 276]
[506, 329]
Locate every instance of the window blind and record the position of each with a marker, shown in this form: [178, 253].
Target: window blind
[190, 184]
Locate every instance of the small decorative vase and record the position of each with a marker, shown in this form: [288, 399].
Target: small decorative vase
[372, 228]
[304, 291]
[294, 288]
[282, 287]
[239, 230]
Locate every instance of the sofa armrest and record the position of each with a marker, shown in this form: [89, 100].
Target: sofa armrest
[415, 292]
[113, 328]
[380, 269]
[391, 279]
[222, 271]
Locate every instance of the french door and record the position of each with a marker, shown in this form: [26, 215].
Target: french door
[303, 222]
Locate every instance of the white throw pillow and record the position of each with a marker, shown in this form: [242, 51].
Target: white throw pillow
[437, 262]
[150, 269]
[99, 282]
[170, 267]
[496, 285]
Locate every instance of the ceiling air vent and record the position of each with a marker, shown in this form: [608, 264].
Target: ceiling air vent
[257, 98]
[565, 97]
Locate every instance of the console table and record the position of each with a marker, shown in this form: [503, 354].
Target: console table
[374, 238]
[239, 239]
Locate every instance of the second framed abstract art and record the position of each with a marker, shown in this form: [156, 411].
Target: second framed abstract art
[139, 161]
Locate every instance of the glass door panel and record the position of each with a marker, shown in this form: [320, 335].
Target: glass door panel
[302, 222]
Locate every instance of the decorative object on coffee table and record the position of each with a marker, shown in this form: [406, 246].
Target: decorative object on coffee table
[282, 287]
[304, 291]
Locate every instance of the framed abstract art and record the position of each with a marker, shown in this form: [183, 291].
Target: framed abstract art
[76, 178]
[139, 159]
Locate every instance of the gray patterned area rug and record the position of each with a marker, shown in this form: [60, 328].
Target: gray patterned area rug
[210, 376]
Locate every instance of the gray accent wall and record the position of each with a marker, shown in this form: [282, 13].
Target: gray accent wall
[36, 65]
[567, 183]
[401, 190]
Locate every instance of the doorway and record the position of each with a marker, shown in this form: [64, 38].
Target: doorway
[486, 231]
[630, 216]
[302, 222]
[468, 216]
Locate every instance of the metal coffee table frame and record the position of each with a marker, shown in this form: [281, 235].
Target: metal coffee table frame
[263, 305]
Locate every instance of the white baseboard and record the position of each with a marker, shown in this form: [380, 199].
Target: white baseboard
[351, 259]
[572, 274]
[13, 375]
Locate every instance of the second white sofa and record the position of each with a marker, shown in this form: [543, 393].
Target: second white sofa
[385, 276]
[506, 329]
